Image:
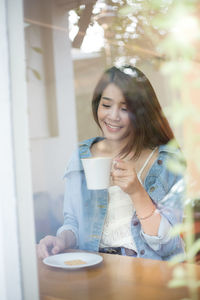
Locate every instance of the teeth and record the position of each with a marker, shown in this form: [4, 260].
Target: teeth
[111, 126]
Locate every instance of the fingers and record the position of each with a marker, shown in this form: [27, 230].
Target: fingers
[123, 185]
[42, 251]
[121, 173]
[55, 250]
[124, 175]
[122, 168]
[50, 245]
[45, 245]
[119, 164]
[58, 245]
[119, 180]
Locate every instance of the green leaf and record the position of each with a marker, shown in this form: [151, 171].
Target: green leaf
[194, 249]
[179, 228]
[172, 144]
[175, 166]
[156, 4]
[36, 74]
[174, 283]
[177, 259]
[126, 10]
[179, 272]
[37, 49]
[180, 112]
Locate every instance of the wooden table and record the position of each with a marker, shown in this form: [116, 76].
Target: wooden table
[116, 278]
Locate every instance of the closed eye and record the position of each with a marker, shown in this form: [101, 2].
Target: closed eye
[105, 105]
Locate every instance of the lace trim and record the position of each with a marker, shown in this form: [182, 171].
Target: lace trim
[117, 227]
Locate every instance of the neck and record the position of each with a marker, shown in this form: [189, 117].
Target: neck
[114, 147]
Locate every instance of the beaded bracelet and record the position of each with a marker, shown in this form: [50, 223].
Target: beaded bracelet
[151, 214]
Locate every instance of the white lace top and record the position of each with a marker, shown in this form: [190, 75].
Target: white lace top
[117, 226]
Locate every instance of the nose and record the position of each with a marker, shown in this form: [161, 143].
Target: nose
[114, 114]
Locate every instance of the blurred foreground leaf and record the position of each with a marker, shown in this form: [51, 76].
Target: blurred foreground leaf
[174, 283]
[177, 259]
[36, 73]
[194, 249]
[37, 49]
[180, 228]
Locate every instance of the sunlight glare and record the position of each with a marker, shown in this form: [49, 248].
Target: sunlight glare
[94, 39]
[186, 29]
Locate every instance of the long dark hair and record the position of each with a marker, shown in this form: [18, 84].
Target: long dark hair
[150, 127]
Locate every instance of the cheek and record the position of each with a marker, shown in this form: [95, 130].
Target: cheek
[100, 114]
[126, 119]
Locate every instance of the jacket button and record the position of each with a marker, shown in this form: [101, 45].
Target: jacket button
[159, 162]
[142, 252]
[152, 189]
[135, 223]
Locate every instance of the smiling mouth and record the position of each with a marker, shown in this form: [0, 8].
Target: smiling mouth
[113, 126]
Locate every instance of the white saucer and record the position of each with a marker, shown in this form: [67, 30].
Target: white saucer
[62, 260]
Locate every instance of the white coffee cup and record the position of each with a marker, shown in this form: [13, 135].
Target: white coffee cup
[97, 172]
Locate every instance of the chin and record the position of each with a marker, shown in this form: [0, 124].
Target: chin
[113, 138]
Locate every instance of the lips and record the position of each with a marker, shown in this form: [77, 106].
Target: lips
[112, 127]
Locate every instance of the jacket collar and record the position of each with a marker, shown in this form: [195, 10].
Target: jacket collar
[83, 151]
[169, 149]
[84, 147]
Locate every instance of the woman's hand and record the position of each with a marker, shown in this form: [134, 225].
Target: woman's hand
[50, 245]
[124, 175]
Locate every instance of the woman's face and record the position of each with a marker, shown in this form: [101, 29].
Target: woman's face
[112, 114]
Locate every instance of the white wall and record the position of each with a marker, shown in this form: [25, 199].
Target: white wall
[50, 147]
[17, 249]
[10, 286]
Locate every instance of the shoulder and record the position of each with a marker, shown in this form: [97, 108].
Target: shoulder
[168, 169]
[85, 145]
[170, 149]
[172, 159]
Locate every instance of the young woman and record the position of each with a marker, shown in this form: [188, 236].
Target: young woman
[135, 215]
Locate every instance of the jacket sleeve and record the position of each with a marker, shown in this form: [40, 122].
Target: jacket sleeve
[170, 208]
[71, 206]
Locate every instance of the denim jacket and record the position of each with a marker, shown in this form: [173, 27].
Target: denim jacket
[85, 210]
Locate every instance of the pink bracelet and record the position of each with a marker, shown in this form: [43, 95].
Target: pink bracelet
[151, 214]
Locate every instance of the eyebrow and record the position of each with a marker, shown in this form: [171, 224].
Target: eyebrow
[107, 98]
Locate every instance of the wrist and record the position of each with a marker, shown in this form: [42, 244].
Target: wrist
[138, 192]
[62, 239]
[144, 206]
[149, 215]
[68, 238]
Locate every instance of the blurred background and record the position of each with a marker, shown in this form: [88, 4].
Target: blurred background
[69, 43]
[52, 54]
